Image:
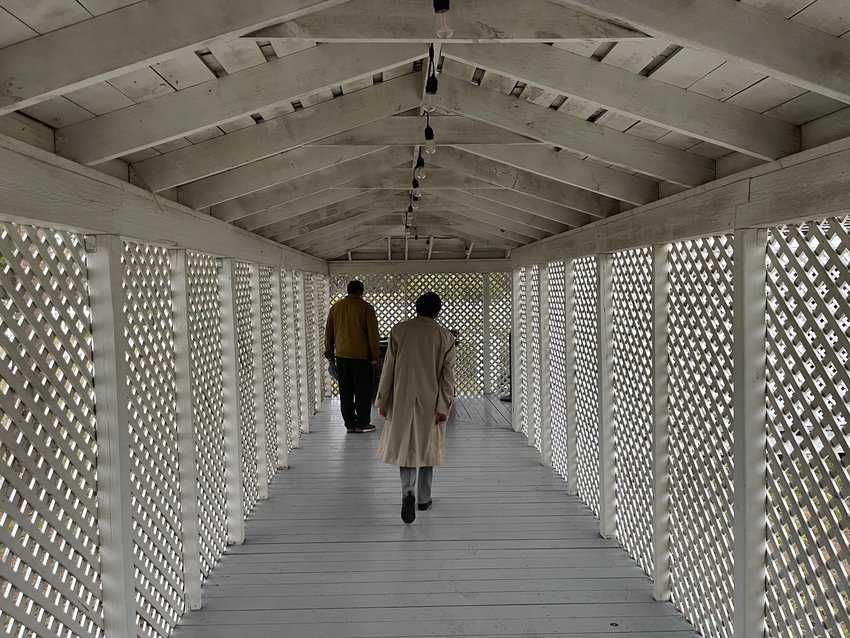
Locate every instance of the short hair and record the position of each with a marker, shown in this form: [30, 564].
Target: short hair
[355, 287]
[428, 305]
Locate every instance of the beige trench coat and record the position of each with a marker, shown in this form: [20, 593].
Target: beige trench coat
[416, 384]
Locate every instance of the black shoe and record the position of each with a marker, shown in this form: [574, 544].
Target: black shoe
[424, 506]
[408, 508]
[365, 428]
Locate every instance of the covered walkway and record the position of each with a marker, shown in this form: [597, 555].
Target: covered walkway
[504, 552]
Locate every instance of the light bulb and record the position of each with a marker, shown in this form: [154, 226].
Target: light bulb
[419, 172]
[430, 92]
[430, 142]
[416, 192]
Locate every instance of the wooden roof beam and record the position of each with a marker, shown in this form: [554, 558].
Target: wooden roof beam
[760, 39]
[573, 133]
[507, 212]
[471, 20]
[263, 222]
[650, 100]
[221, 100]
[281, 134]
[535, 205]
[330, 177]
[129, 38]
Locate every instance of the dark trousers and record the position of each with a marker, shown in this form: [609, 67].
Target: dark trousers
[355, 391]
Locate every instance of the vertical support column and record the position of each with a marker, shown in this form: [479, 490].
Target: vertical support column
[259, 386]
[750, 432]
[529, 359]
[230, 408]
[106, 274]
[545, 372]
[281, 392]
[185, 430]
[301, 319]
[570, 375]
[516, 395]
[487, 334]
[605, 385]
[660, 421]
[295, 398]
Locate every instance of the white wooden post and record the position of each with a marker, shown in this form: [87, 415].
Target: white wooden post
[106, 274]
[750, 433]
[259, 386]
[301, 319]
[295, 398]
[605, 385]
[660, 423]
[230, 408]
[516, 395]
[570, 376]
[529, 359]
[185, 430]
[487, 334]
[282, 395]
[545, 372]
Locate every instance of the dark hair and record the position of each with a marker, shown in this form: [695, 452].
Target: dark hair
[355, 287]
[428, 305]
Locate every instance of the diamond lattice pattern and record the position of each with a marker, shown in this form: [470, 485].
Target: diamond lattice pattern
[558, 365]
[49, 552]
[808, 375]
[700, 368]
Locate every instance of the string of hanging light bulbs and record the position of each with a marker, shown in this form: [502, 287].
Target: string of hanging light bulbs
[443, 30]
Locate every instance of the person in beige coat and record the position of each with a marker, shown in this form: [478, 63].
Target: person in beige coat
[415, 395]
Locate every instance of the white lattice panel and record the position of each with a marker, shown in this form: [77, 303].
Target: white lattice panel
[204, 303]
[500, 331]
[701, 387]
[267, 328]
[245, 368]
[49, 558]
[301, 364]
[632, 313]
[585, 286]
[522, 355]
[154, 480]
[558, 364]
[310, 335]
[533, 336]
[808, 375]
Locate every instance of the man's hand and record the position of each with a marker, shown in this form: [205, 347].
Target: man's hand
[441, 418]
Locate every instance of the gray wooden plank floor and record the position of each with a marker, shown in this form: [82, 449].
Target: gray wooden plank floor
[504, 552]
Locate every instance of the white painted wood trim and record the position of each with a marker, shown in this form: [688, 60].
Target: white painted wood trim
[750, 432]
[46, 190]
[259, 387]
[515, 367]
[105, 278]
[545, 371]
[605, 385]
[230, 408]
[529, 360]
[301, 318]
[188, 474]
[661, 575]
[420, 266]
[570, 376]
[282, 394]
[295, 397]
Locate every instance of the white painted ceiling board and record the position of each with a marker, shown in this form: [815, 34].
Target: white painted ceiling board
[786, 7]
[238, 124]
[709, 150]
[142, 85]
[578, 107]
[497, 82]
[13, 30]
[285, 108]
[580, 47]
[726, 80]
[140, 156]
[58, 112]
[686, 67]
[206, 134]
[312, 99]
[356, 85]
[458, 70]
[648, 131]
[617, 121]
[805, 108]
[237, 55]
[46, 15]
[173, 145]
[283, 47]
[634, 55]
[184, 70]
[678, 140]
[397, 72]
[536, 95]
[829, 16]
[767, 94]
[98, 7]
[100, 98]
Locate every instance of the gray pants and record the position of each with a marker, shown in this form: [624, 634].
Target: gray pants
[408, 482]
